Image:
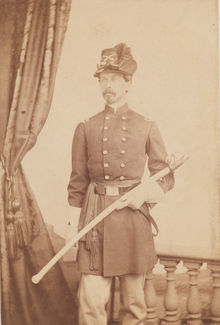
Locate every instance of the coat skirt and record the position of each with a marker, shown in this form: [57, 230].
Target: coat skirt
[126, 243]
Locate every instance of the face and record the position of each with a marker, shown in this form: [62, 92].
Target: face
[113, 86]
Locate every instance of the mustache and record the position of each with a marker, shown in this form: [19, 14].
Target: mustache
[106, 92]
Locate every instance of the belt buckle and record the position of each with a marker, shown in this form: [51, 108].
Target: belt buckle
[111, 190]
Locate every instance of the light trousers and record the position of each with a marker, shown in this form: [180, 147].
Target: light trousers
[94, 292]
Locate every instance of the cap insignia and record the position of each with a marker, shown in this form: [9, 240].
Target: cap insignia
[109, 59]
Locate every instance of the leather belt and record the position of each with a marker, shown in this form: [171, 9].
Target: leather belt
[111, 190]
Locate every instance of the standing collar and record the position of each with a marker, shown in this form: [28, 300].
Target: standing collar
[120, 110]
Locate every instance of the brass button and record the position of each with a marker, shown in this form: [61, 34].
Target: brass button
[106, 165]
[122, 164]
[123, 152]
[105, 152]
[123, 118]
[122, 178]
[123, 139]
[107, 118]
[123, 128]
[106, 176]
[105, 139]
[105, 127]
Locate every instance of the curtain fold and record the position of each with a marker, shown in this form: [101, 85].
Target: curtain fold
[34, 34]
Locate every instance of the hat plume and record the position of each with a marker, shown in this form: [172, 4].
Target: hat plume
[123, 52]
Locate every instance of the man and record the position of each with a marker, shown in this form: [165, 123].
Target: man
[108, 159]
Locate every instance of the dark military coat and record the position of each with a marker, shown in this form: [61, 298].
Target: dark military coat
[112, 149]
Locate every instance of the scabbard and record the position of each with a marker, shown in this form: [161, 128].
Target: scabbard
[150, 219]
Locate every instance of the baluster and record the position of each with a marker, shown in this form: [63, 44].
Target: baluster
[171, 301]
[151, 300]
[193, 304]
[215, 303]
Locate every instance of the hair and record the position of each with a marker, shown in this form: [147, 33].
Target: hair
[127, 77]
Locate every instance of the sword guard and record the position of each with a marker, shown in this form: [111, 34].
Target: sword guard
[176, 159]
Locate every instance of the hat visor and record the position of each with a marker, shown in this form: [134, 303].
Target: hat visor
[111, 68]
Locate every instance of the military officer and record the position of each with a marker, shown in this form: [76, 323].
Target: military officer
[109, 154]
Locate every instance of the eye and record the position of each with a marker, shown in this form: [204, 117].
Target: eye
[115, 78]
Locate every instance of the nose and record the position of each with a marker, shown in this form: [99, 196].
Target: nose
[109, 84]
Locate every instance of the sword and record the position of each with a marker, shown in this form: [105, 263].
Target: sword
[174, 163]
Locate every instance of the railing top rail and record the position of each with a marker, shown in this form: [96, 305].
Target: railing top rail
[188, 259]
[189, 253]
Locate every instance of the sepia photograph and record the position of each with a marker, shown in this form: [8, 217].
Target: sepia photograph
[109, 169]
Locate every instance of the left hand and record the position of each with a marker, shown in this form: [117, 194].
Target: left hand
[150, 193]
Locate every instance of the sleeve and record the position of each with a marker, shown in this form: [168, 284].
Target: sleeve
[157, 155]
[79, 179]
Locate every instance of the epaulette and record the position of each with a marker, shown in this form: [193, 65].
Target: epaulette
[147, 119]
[86, 120]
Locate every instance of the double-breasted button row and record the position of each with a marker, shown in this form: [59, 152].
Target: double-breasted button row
[123, 139]
[122, 152]
[123, 128]
[121, 177]
[106, 165]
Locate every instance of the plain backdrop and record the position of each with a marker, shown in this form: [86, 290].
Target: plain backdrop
[175, 44]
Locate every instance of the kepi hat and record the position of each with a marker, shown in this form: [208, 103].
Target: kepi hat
[117, 59]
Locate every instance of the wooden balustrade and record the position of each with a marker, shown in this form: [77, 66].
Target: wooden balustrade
[215, 303]
[151, 300]
[171, 300]
[194, 306]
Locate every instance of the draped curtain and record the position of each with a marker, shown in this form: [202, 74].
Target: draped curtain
[32, 34]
